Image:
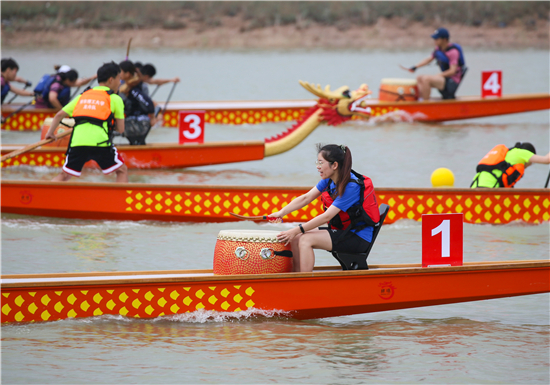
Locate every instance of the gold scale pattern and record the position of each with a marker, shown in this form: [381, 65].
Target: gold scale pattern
[145, 301]
[52, 160]
[26, 121]
[241, 116]
[214, 204]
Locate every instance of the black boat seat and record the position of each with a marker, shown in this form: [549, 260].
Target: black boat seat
[358, 261]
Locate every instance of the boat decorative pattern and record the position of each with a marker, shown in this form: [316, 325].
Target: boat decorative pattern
[482, 208]
[26, 121]
[219, 204]
[137, 302]
[52, 159]
[236, 117]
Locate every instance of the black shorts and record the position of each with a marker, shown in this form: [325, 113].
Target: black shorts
[449, 90]
[106, 157]
[349, 243]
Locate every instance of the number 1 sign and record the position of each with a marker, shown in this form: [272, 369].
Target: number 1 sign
[442, 239]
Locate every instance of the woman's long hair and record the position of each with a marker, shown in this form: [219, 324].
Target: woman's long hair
[341, 154]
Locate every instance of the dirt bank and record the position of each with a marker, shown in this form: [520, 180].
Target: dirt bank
[390, 34]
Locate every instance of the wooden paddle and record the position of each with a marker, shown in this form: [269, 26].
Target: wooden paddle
[128, 49]
[251, 218]
[34, 145]
[18, 110]
[27, 84]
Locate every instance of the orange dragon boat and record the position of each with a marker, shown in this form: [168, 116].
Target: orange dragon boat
[204, 203]
[321, 293]
[257, 112]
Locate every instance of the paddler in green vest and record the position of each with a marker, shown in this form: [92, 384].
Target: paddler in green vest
[504, 167]
[97, 113]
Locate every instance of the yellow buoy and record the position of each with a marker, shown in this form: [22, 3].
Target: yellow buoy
[443, 177]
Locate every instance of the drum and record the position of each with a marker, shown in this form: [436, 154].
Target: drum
[398, 90]
[251, 252]
[63, 142]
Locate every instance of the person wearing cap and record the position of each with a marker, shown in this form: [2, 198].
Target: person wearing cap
[450, 58]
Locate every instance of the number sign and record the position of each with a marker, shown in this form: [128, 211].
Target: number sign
[442, 239]
[191, 126]
[491, 84]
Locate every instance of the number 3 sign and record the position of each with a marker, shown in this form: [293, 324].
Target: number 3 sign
[191, 125]
[491, 84]
[442, 239]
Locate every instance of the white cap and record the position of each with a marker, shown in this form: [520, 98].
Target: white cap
[64, 68]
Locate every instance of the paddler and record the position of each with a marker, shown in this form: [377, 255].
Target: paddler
[54, 91]
[450, 59]
[504, 167]
[148, 71]
[97, 112]
[350, 205]
[9, 74]
[138, 106]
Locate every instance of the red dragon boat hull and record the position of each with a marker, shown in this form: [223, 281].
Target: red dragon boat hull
[206, 203]
[257, 112]
[325, 292]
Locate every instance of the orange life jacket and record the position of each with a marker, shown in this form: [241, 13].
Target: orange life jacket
[94, 106]
[496, 160]
[359, 216]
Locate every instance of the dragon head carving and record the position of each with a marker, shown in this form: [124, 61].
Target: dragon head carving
[344, 102]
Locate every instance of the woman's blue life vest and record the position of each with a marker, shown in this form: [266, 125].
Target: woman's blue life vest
[5, 90]
[443, 60]
[43, 90]
[357, 217]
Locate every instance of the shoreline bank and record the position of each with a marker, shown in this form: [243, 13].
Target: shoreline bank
[385, 34]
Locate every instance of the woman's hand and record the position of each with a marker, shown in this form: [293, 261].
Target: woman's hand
[287, 236]
[275, 217]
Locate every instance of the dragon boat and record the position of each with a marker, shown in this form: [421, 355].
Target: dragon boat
[318, 294]
[257, 112]
[208, 203]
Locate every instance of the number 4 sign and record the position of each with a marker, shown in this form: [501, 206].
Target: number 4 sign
[191, 124]
[442, 239]
[491, 84]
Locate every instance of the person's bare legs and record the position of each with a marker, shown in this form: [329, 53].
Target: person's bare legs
[303, 245]
[62, 177]
[427, 82]
[122, 174]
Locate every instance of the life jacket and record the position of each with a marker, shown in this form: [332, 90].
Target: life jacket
[443, 60]
[139, 103]
[45, 84]
[496, 160]
[5, 90]
[357, 217]
[94, 106]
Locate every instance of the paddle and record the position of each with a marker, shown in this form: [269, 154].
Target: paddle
[27, 84]
[34, 145]
[33, 100]
[128, 49]
[155, 91]
[79, 87]
[547, 180]
[253, 218]
[169, 97]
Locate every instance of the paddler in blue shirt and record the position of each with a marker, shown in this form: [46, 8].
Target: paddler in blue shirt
[450, 58]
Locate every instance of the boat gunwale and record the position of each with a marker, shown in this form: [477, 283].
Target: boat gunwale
[324, 272]
[126, 186]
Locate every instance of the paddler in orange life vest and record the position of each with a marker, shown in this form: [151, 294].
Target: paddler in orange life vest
[504, 167]
[97, 112]
[351, 210]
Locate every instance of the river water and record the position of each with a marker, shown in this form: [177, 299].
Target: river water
[494, 341]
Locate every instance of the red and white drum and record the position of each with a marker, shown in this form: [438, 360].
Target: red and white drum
[398, 90]
[251, 252]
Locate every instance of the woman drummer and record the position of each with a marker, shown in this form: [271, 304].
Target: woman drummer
[351, 219]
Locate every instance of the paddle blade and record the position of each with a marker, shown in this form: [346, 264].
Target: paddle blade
[256, 218]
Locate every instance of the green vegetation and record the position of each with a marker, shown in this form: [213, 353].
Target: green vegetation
[41, 15]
